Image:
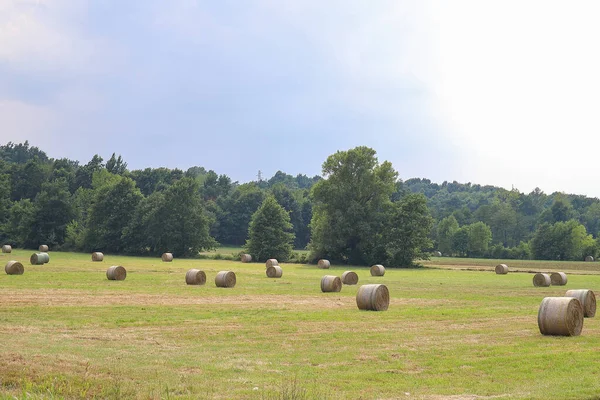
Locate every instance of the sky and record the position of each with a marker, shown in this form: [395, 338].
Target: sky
[500, 93]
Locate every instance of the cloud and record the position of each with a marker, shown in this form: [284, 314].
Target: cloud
[265, 84]
[518, 83]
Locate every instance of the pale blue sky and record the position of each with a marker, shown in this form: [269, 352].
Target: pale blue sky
[481, 91]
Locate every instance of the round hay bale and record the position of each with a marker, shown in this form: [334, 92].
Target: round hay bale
[373, 297]
[541, 280]
[330, 283]
[377, 270]
[167, 257]
[323, 264]
[437, 253]
[225, 279]
[195, 277]
[587, 298]
[43, 248]
[589, 258]
[558, 278]
[116, 273]
[39, 258]
[246, 258]
[14, 268]
[97, 256]
[274, 271]
[271, 262]
[502, 269]
[7, 248]
[349, 278]
[561, 316]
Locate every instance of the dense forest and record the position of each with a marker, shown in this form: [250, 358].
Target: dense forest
[103, 206]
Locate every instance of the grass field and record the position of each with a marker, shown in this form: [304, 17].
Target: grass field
[68, 332]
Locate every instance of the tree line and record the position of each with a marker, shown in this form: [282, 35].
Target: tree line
[488, 221]
[357, 212]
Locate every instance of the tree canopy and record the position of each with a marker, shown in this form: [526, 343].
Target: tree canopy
[350, 213]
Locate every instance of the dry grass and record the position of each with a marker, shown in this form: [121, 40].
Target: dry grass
[71, 333]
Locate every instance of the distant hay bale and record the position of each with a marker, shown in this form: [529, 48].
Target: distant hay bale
[349, 278]
[437, 253]
[7, 248]
[589, 258]
[271, 262]
[14, 268]
[373, 297]
[39, 258]
[377, 270]
[97, 256]
[116, 273]
[195, 277]
[43, 248]
[502, 269]
[274, 271]
[587, 298]
[541, 280]
[167, 257]
[246, 258]
[562, 316]
[323, 264]
[225, 279]
[558, 278]
[330, 283]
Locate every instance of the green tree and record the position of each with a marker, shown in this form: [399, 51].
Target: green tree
[20, 219]
[5, 202]
[53, 211]
[27, 179]
[270, 232]
[173, 220]
[562, 241]
[76, 231]
[480, 237]
[292, 201]
[113, 207]
[591, 219]
[349, 207]
[406, 236]
[445, 234]
[143, 233]
[236, 211]
[83, 176]
[460, 241]
[116, 165]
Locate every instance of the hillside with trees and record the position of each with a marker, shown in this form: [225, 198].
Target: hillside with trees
[359, 212]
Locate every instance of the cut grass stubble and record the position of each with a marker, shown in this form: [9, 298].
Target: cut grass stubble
[75, 334]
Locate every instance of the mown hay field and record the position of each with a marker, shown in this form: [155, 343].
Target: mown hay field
[68, 332]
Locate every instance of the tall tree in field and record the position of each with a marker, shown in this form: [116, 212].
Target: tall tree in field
[348, 210]
[354, 219]
[270, 234]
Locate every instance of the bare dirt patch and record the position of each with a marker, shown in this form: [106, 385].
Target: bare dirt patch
[69, 297]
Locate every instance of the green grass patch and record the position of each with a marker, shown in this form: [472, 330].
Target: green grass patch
[68, 332]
